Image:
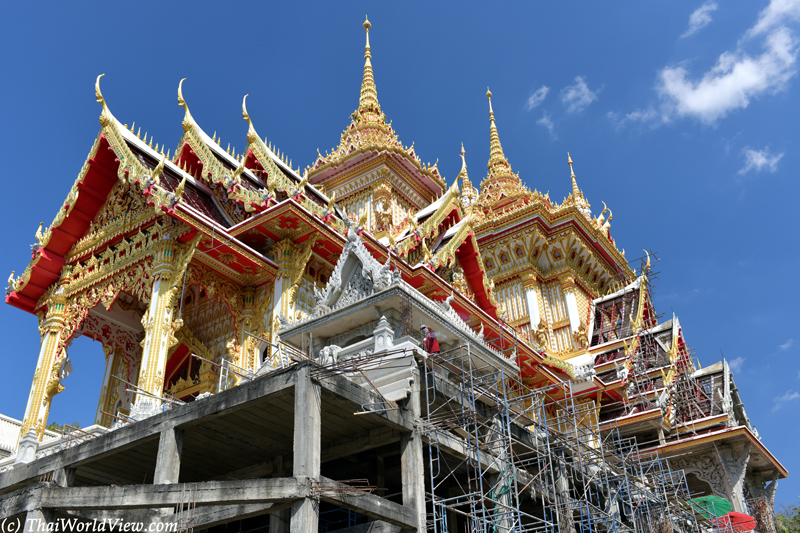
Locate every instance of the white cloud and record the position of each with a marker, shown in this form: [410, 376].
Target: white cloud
[775, 14]
[700, 18]
[537, 97]
[547, 122]
[736, 364]
[578, 96]
[649, 115]
[786, 345]
[732, 82]
[735, 80]
[759, 160]
[788, 397]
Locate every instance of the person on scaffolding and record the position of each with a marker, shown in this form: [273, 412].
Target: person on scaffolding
[429, 342]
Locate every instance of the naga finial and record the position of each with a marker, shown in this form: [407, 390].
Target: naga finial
[11, 281]
[332, 201]
[602, 216]
[607, 225]
[39, 235]
[181, 187]
[159, 169]
[237, 174]
[252, 136]
[105, 116]
[187, 118]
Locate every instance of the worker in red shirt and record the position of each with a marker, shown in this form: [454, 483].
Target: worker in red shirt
[429, 342]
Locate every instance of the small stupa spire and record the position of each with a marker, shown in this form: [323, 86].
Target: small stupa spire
[498, 164]
[577, 197]
[468, 192]
[575, 190]
[463, 174]
[368, 101]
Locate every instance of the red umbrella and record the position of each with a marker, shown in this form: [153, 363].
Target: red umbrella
[738, 522]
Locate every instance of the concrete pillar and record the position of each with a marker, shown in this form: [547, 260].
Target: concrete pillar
[566, 522]
[279, 522]
[735, 466]
[501, 484]
[38, 520]
[413, 468]
[376, 474]
[63, 477]
[168, 460]
[307, 446]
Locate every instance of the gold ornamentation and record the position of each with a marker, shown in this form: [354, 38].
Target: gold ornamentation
[105, 115]
[187, 117]
[368, 130]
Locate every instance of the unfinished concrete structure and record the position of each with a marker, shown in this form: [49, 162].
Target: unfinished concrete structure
[264, 366]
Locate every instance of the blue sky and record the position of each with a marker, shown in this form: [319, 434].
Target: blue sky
[683, 117]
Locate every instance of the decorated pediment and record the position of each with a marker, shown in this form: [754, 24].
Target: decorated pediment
[357, 275]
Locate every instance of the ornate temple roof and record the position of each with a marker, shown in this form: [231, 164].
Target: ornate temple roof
[501, 186]
[369, 133]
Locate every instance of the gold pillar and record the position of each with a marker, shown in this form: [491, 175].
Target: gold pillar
[169, 262]
[291, 259]
[249, 359]
[47, 378]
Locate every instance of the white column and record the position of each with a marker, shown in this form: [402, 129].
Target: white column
[532, 300]
[572, 310]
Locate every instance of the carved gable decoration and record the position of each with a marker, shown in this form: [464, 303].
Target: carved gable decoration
[357, 275]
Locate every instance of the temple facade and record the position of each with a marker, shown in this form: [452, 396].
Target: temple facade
[207, 270]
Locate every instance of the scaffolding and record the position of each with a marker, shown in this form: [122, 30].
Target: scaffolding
[535, 460]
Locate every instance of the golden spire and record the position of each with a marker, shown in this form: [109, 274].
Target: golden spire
[468, 192]
[463, 173]
[105, 116]
[577, 195]
[187, 118]
[252, 136]
[368, 102]
[498, 164]
[575, 190]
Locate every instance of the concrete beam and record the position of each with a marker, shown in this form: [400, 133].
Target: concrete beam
[378, 526]
[373, 438]
[47, 496]
[370, 505]
[150, 428]
[206, 517]
[352, 396]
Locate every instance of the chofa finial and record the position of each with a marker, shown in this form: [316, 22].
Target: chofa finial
[187, 118]
[252, 136]
[105, 116]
